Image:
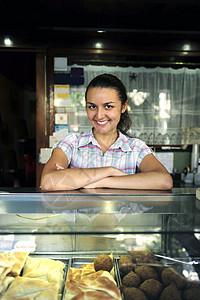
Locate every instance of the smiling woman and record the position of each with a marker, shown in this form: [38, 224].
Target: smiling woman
[106, 156]
[104, 112]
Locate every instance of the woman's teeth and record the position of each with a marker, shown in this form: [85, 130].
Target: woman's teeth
[101, 122]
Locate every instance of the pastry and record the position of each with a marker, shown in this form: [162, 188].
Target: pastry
[5, 282]
[77, 274]
[85, 269]
[125, 264]
[100, 284]
[44, 268]
[29, 289]
[6, 261]
[171, 276]
[142, 254]
[11, 264]
[86, 283]
[4, 279]
[131, 280]
[103, 262]
[14, 259]
[132, 293]
[151, 288]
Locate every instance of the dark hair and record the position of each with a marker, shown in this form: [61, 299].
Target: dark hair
[111, 81]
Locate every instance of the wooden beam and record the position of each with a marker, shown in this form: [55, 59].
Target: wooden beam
[41, 126]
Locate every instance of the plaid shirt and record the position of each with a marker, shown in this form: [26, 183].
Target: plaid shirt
[83, 151]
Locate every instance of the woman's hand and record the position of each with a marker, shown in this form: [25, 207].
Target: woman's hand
[58, 167]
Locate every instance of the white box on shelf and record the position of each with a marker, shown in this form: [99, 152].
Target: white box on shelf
[60, 64]
[62, 102]
[53, 140]
[61, 119]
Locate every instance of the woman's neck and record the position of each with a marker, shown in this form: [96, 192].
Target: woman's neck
[105, 141]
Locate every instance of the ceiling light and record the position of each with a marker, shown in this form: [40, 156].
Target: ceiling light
[101, 31]
[8, 41]
[98, 45]
[186, 47]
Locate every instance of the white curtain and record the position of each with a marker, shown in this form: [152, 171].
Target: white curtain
[163, 102]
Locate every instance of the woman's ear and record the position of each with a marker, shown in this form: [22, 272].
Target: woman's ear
[124, 107]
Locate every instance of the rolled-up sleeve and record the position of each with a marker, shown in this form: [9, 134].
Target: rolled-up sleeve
[67, 145]
[144, 150]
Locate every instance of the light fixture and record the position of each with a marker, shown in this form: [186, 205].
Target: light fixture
[186, 47]
[98, 45]
[8, 42]
[101, 31]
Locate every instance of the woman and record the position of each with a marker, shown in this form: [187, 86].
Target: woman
[105, 156]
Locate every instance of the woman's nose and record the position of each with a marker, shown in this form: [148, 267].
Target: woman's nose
[100, 113]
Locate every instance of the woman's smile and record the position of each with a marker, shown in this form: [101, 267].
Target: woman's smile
[101, 123]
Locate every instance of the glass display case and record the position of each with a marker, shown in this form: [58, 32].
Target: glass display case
[88, 222]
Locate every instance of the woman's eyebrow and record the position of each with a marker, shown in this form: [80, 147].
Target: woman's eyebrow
[87, 102]
[106, 103]
[110, 102]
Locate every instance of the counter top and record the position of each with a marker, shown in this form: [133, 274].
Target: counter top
[178, 188]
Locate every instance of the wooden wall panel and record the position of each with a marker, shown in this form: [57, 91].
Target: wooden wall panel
[41, 111]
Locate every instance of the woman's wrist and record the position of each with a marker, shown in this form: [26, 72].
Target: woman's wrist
[113, 171]
[117, 172]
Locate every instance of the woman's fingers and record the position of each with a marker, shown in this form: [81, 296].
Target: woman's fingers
[58, 167]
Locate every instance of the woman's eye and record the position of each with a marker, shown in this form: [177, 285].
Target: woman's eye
[108, 106]
[92, 106]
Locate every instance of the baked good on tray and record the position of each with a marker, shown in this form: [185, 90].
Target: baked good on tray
[87, 283]
[97, 285]
[4, 279]
[144, 277]
[31, 288]
[45, 269]
[11, 264]
[24, 277]
[17, 259]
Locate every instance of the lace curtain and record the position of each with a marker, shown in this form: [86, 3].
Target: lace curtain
[164, 103]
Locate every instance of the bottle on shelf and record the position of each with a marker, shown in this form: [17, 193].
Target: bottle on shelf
[197, 175]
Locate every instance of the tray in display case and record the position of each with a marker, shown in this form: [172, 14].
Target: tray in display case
[185, 278]
[184, 265]
[79, 262]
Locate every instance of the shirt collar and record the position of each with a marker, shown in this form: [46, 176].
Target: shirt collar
[121, 142]
[87, 138]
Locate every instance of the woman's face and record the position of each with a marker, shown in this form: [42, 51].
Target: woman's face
[104, 109]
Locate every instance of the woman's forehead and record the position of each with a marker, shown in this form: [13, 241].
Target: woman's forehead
[104, 93]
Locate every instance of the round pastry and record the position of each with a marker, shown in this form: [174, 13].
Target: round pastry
[170, 275]
[132, 293]
[103, 262]
[170, 292]
[125, 264]
[146, 272]
[142, 254]
[152, 288]
[192, 292]
[131, 279]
